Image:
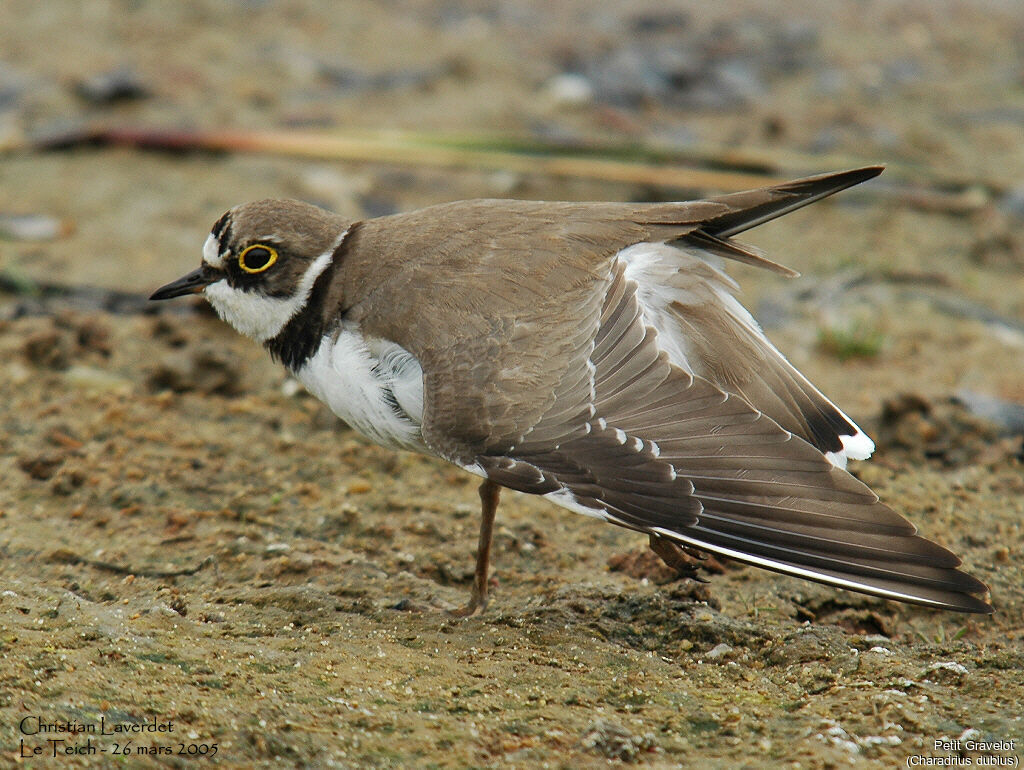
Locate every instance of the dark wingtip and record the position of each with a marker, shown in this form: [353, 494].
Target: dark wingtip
[980, 607]
[970, 603]
[755, 207]
[834, 181]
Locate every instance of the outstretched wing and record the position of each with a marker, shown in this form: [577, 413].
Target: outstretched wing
[687, 297]
[651, 447]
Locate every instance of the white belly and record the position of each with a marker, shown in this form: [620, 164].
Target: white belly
[373, 385]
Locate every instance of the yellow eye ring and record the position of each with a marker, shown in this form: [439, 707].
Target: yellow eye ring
[257, 258]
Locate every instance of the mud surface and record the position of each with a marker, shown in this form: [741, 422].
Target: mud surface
[187, 541]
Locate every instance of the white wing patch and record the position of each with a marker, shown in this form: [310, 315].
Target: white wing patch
[856, 447]
[567, 499]
[652, 269]
[656, 269]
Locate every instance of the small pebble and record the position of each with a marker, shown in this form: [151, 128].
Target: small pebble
[41, 467]
[48, 348]
[33, 227]
[1013, 202]
[205, 369]
[946, 669]
[1006, 414]
[120, 85]
[718, 651]
[569, 90]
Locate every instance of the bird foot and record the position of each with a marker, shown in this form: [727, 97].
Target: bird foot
[475, 606]
[685, 561]
[469, 610]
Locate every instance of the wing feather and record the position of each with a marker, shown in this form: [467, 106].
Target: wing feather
[670, 453]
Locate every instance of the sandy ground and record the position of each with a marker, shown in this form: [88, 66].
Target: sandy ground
[187, 543]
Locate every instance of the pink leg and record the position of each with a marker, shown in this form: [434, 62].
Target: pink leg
[489, 493]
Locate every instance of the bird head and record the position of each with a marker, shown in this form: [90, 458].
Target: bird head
[259, 264]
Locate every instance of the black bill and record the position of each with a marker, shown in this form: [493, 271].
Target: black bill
[193, 283]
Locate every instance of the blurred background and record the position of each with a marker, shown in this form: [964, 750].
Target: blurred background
[934, 89]
[134, 436]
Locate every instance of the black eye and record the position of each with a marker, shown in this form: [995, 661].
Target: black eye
[257, 258]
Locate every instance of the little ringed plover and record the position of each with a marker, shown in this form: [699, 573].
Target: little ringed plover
[591, 353]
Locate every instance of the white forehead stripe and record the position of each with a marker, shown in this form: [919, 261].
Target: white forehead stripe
[211, 252]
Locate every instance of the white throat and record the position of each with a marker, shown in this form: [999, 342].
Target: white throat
[257, 316]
